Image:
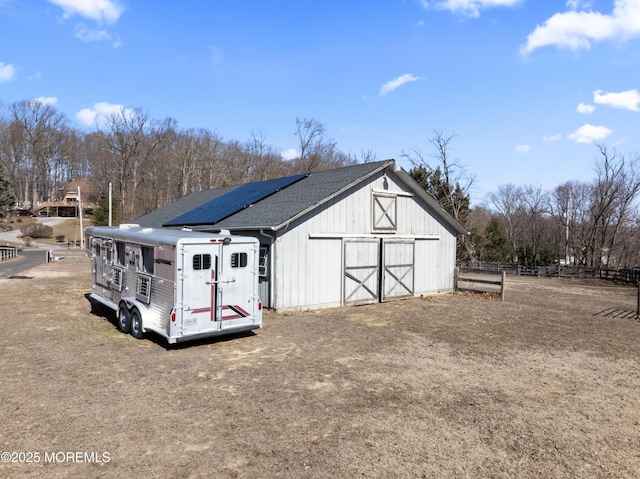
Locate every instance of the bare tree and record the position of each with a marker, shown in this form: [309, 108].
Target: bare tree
[508, 202]
[536, 202]
[42, 132]
[132, 139]
[449, 177]
[570, 206]
[317, 151]
[616, 187]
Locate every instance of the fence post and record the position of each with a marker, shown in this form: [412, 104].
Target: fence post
[503, 285]
[456, 271]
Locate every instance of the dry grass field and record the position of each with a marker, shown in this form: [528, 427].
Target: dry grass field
[450, 386]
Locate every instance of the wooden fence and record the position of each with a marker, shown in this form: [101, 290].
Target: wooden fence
[631, 276]
[473, 278]
[480, 284]
[8, 252]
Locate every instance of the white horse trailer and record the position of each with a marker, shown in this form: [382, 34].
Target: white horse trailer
[180, 284]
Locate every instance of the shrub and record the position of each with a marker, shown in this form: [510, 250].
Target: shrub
[28, 240]
[37, 230]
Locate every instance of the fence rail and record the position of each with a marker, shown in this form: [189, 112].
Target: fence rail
[8, 252]
[631, 276]
[64, 255]
[478, 284]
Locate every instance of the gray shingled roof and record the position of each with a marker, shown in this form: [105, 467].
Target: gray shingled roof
[277, 210]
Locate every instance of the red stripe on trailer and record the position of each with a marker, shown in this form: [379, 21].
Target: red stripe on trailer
[239, 312]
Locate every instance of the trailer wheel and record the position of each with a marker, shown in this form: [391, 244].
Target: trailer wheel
[136, 324]
[124, 319]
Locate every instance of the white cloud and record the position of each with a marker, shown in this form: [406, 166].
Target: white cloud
[100, 112]
[590, 133]
[7, 72]
[523, 148]
[578, 29]
[585, 109]
[579, 4]
[627, 100]
[90, 35]
[101, 11]
[290, 154]
[551, 138]
[45, 100]
[397, 83]
[468, 7]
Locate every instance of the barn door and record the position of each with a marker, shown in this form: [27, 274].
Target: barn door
[361, 271]
[398, 263]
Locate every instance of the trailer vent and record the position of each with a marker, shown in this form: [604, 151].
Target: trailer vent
[116, 279]
[143, 288]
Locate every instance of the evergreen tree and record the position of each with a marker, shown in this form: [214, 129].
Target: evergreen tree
[7, 198]
[101, 213]
[497, 242]
[452, 198]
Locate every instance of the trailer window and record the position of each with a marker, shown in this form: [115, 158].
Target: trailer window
[201, 261]
[120, 256]
[238, 260]
[147, 259]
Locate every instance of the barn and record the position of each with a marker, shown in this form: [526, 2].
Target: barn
[354, 235]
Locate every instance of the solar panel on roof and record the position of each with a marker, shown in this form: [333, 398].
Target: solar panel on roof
[226, 205]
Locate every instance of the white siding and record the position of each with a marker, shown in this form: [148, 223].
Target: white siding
[308, 254]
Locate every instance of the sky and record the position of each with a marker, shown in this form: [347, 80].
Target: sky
[527, 89]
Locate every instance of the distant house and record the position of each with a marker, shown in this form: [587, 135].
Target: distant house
[360, 234]
[68, 206]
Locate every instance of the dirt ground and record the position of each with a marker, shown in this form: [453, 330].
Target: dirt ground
[448, 386]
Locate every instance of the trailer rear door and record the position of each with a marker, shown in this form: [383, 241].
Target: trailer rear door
[199, 289]
[236, 282]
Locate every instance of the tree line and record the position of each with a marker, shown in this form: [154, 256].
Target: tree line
[148, 162]
[151, 163]
[595, 224]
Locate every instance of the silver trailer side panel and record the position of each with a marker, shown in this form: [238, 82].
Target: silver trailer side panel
[180, 284]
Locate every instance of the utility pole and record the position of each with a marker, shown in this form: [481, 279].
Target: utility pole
[81, 230]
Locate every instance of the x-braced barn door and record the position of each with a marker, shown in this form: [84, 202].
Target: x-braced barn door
[361, 271]
[377, 270]
[398, 261]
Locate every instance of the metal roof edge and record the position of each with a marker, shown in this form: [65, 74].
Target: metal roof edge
[385, 164]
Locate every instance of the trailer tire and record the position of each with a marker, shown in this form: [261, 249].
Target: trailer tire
[124, 319]
[136, 324]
